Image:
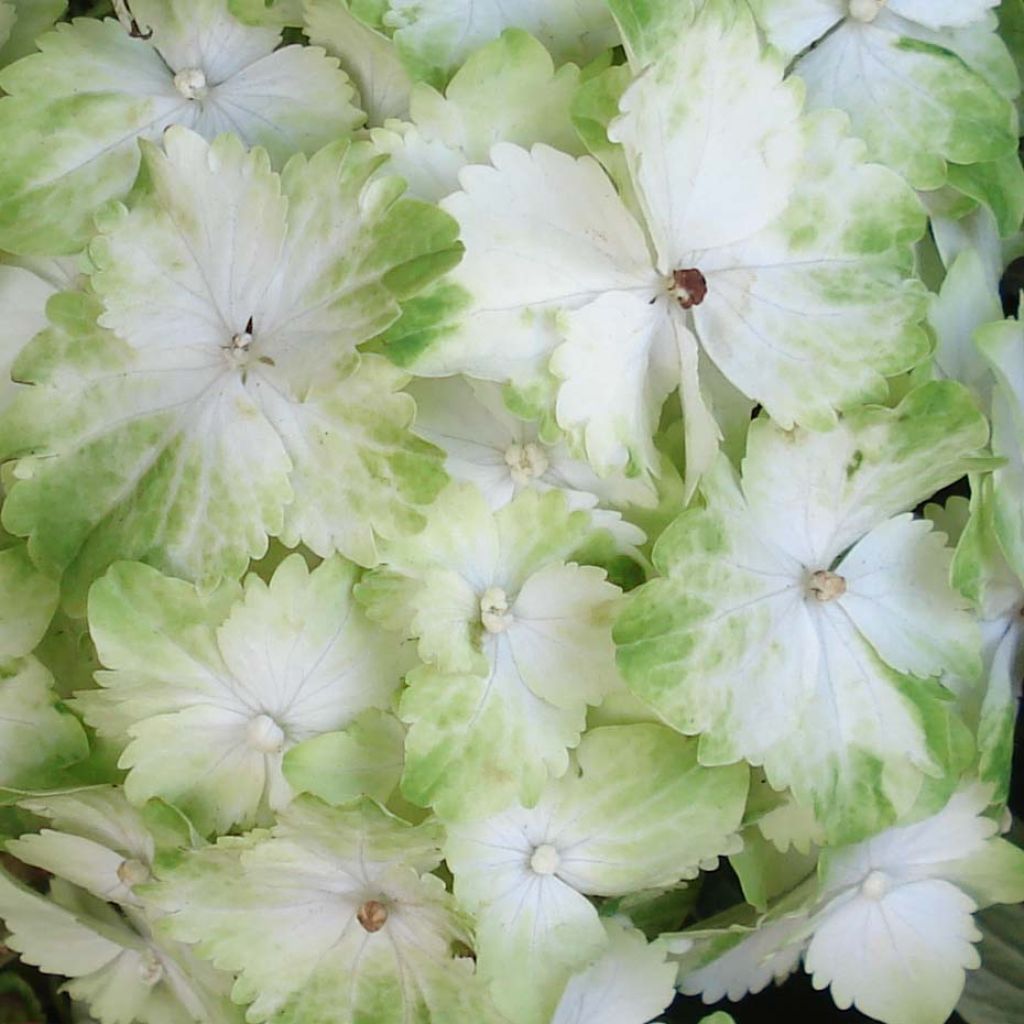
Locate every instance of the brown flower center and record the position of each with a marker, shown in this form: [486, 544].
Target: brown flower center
[689, 287]
[372, 915]
[826, 586]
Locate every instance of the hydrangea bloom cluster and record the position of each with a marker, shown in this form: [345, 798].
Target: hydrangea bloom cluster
[471, 550]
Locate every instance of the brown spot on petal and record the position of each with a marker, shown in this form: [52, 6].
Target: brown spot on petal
[372, 915]
[690, 287]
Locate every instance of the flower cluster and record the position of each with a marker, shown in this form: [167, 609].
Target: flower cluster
[467, 554]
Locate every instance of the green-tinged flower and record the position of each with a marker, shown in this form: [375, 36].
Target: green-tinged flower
[515, 641]
[759, 240]
[331, 914]
[207, 391]
[70, 125]
[210, 691]
[801, 619]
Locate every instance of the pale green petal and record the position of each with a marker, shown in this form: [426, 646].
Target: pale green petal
[630, 983]
[964, 304]
[943, 13]
[507, 91]
[477, 743]
[862, 746]
[24, 296]
[812, 312]
[792, 25]
[876, 463]
[901, 959]
[22, 22]
[364, 759]
[27, 603]
[114, 964]
[618, 365]
[731, 611]
[542, 232]
[67, 152]
[999, 185]
[489, 446]
[712, 135]
[152, 453]
[735, 961]
[368, 55]
[202, 34]
[1002, 345]
[37, 735]
[947, 111]
[435, 36]
[359, 476]
[294, 100]
[898, 596]
[267, 12]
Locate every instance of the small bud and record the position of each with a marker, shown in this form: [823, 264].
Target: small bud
[132, 872]
[191, 83]
[150, 968]
[865, 10]
[875, 886]
[826, 586]
[494, 612]
[545, 860]
[526, 462]
[372, 915]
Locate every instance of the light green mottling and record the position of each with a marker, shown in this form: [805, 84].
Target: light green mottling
[210, 690]
[435, 36]
[280, 908]
[75, 112]
[639, 812]
[732, 643]
[180, 449]
[947, 112]
[38, 736]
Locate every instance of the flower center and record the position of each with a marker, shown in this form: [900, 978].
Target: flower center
[191, 83]
[132, 872]
[875, 886]
[150, 968]
[494, 613]
[866, 10]
[265, 735]
[545, 860]
[689, 287]
[826, 586]
[526, 462]
[372, 915]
